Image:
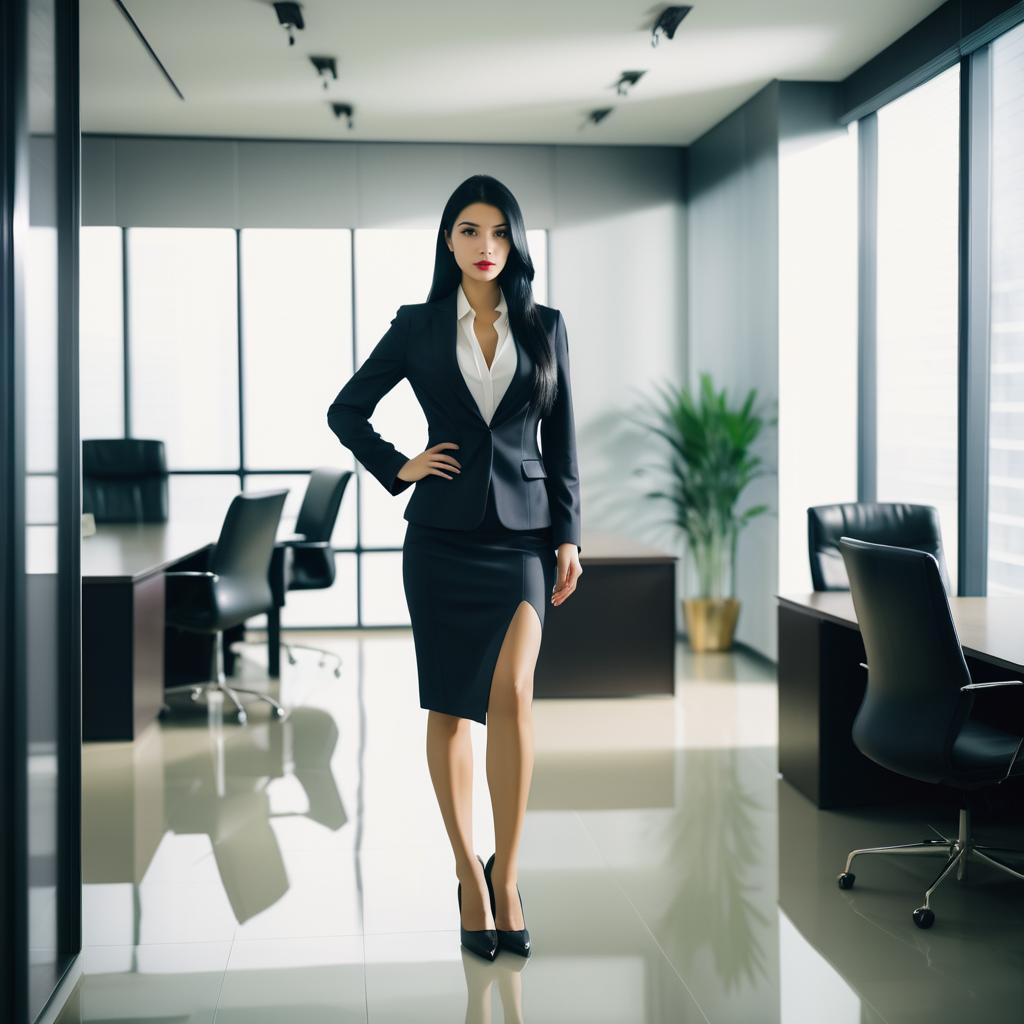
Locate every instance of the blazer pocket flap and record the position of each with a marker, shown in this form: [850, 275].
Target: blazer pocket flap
[533, 468]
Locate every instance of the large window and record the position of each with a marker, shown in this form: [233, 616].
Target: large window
[917, 287]
[182, 307]
[1006, 413]
[101, 333]
[296, 332]
[236, 343]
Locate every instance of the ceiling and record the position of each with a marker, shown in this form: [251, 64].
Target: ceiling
[447, 71]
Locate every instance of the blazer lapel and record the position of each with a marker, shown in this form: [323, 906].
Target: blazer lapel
[446, 328]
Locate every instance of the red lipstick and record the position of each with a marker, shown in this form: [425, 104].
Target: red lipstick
[483, 264]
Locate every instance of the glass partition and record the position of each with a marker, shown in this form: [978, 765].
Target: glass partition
[39, 505]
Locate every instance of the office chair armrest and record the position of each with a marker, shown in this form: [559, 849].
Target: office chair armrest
[187, 588]
[991, 686]
[307, 545]
[290, 538]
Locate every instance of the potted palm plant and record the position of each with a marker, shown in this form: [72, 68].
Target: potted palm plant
[710, 463]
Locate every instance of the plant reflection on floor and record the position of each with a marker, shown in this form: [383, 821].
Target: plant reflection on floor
[717, 853]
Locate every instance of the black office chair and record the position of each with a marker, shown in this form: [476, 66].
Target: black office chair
[896, 523]
[305, 561]
[235, 587]
[124, 480]
[916, 719]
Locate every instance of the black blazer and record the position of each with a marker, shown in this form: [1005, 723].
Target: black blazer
[532, 488]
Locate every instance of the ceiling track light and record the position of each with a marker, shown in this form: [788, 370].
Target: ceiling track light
[326, 68]
[668, 21]
[596, 116]
[343, 110]
[627, 80]
[290, 15]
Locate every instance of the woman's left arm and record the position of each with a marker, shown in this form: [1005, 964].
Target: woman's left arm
[558, 444]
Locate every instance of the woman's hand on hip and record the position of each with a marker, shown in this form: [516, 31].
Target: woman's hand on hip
[431, 462]
[569, 573]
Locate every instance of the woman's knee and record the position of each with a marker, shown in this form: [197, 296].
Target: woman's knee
[512, 694]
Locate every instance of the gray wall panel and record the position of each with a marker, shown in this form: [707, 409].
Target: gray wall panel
[528, 170]
[406, 184]
[98, 189]
[297, 185]
[176, 182]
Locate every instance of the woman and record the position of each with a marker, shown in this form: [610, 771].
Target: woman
[492, 522]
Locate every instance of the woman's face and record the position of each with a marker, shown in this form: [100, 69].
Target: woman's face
[480, 241]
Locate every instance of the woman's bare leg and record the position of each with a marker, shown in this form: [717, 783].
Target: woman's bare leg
[510, 755]
[450, 761]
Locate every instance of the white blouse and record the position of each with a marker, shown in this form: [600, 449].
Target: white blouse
[487, 385]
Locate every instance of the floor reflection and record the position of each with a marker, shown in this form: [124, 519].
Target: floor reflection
[214, 780]
[299, 870]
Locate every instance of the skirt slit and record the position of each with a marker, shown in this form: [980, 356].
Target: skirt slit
[463, 588]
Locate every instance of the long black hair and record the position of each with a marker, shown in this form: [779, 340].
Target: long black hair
[514, 280]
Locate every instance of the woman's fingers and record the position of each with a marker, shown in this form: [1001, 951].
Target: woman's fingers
[566, 585]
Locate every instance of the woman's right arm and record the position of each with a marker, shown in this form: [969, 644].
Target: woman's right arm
[349, 413]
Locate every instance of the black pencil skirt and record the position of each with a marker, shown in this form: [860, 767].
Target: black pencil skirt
[462, 588]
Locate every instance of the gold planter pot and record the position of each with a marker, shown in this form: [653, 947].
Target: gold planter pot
[710, 622]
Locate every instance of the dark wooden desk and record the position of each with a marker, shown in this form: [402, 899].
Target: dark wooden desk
[123, 568]
[125, 662]
[821, 686]
[616, 636]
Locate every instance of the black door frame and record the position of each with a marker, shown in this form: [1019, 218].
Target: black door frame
[14, 227]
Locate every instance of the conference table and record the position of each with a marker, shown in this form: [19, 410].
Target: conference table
[822, 684]
[126, 660]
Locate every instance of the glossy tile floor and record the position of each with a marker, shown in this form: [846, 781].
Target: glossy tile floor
[299, 871]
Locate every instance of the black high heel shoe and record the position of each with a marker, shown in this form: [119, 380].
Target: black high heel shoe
[516, 940]
[482, 941]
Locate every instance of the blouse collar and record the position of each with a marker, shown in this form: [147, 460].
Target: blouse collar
[464, 307]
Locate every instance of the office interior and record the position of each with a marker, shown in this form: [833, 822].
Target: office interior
[206, 231]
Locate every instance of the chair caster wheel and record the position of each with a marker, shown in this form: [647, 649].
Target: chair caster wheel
[195, 695]
[337, 673]
[923, 917]
[163, 712]
[242, 717]
[846, 880]
[279, 712]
